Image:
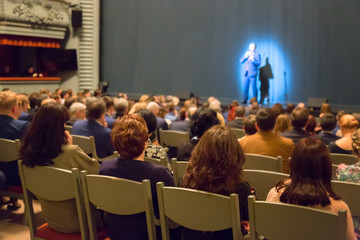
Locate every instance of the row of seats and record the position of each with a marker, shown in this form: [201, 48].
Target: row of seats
[190, 208]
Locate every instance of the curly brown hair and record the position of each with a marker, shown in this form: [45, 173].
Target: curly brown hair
[129, 136]
[216, 162]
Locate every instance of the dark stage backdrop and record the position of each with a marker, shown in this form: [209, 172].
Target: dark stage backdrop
[165, 46]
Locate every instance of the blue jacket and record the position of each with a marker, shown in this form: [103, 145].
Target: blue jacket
[101, 135]
[251, 66]
[11, 128]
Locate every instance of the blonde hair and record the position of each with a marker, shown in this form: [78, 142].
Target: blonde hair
[7, 100]
[282, 124]
[348, 121]
[137, 106]
[22, 99]
[356, 142]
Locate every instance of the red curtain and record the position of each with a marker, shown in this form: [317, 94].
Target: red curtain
[23, 41]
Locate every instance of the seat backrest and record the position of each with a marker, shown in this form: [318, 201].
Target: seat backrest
[262, 162]
[171, 138]
[349, 193]
[162, 161]
[9, 150]
[117, 196]
[198, 210]
[334, 168]
[338, 158]
[287, 221]
[53, 184]
[239, 133]
[263, 181]
[87, 144]
[179, 168]
[68, 128]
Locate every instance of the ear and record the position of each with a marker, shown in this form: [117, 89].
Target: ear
[257, 127]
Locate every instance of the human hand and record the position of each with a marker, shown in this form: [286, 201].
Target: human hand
[68, 137]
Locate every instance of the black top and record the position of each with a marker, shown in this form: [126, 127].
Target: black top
[185, 149]
[333, 148]
[296, 134]
[236, 123]
[133, 226]
[327, 138]
[243, 192]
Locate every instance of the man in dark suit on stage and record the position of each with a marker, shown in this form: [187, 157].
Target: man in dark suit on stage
[238, 122]
[96, 126]
[252, 61]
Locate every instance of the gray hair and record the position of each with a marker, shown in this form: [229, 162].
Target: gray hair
[77, 106]
[152, 106]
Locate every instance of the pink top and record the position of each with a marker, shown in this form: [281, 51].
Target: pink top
[334, 206]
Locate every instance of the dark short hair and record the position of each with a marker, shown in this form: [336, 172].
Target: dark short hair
[95, 109]
[109, 102]
[299, 117]
[328, 122]
[265, 119]
[249, 125]
[149, 118]
[202, 120]
[129, 136]
[239, 111]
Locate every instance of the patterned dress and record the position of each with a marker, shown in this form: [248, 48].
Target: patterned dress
[350, 173]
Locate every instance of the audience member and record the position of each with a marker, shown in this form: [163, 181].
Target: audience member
[282, 124]
[96, 126]
[110, 109]
[121, 107]
[160, 122]
[325, 108]
[310, 181]
[130, 136]
[47, 143]
[351, 173]
[232, 110]
[327, 123]
[47, 100]
[337, 130]
[311, 125]
[299, 118]
[23, 102]
[278, 109]
[289, 108]
[200, 121]
[136, 106]
[183, 125]
[250, 125]
[153, 149]
[11, 129]
[254, 108]
[216, 106]
[238, 121]
[348, 125]
[215, 166]
[77, 112]
[266, 142]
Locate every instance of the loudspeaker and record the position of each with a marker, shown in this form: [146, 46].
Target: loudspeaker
[76, 18]
[315, 103]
